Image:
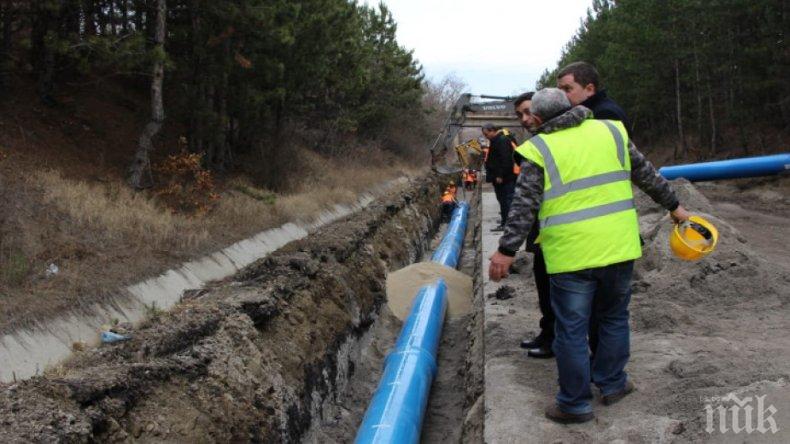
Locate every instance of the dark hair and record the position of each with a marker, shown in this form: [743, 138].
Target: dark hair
[490, 127]
[523, 98]
[583, 74]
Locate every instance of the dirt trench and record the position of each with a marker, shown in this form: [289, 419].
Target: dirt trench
[454, 413]
[260, 358]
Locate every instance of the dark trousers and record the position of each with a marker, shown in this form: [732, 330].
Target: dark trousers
[544, 299]
[572, 299]
[504, 195]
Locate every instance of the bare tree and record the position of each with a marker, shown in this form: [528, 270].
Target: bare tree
[142, 163]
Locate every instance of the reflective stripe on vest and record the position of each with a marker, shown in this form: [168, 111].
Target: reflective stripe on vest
[558, 188]
[587, 213]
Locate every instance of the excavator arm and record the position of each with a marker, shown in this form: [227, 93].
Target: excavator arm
[469, 111]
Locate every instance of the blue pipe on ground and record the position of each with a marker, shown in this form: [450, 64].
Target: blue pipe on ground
[397, 409]
[449, 251]
[729, 169]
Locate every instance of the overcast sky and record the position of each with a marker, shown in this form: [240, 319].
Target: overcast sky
[496, 46]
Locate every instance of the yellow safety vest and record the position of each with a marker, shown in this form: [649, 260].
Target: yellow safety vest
[587, 218]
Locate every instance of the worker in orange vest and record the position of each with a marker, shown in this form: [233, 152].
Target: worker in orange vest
[448, 204]
[452, 188]
[468, 180]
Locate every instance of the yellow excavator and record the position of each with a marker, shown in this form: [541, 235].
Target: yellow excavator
[470, 154]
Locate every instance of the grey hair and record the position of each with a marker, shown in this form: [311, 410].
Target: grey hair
[490, 127]
[549, 102]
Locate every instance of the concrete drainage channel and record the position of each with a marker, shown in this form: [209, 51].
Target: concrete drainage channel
[28, 352]
[291, 350]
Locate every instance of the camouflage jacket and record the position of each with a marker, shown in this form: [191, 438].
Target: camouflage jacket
[529, 185]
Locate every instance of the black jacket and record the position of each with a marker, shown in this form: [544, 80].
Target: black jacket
[605, 108]
[500, 160]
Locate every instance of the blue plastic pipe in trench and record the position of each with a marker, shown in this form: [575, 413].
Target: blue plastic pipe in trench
[396, 411]
[729, 169]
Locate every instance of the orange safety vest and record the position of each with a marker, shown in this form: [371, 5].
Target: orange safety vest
[516, 167]
[448, 198]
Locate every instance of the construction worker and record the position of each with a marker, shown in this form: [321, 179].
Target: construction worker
[448, 204]
[577, 174]
[499, 167]
[452, 188]
[468, 179]
[540, 346]
[582, 85]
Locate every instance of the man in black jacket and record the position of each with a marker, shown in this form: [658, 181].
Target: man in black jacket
[499, 167]
[582, 86]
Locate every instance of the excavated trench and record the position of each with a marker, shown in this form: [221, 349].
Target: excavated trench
[454, 413]
[274, 355]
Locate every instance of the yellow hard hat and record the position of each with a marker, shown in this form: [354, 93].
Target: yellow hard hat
[693, 239]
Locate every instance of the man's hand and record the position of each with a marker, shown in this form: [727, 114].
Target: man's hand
[500, 266]
[498, 180]
[679, 215]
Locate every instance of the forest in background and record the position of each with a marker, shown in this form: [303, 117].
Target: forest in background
[712, 75]
[245, 78]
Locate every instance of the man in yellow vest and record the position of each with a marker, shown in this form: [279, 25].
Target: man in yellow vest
[578, 173]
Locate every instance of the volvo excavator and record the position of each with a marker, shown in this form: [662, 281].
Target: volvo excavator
[454, 149]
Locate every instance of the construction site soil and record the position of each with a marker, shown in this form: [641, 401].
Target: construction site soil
[702, 332]
[291, 348]
[253, 359]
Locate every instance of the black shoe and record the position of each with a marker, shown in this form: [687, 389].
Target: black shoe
[535, 343]
[555, 414]
[498, 228]
[543, 352]
[616, 396]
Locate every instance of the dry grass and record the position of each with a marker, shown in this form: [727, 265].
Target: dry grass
[103, 236]
[117, 212]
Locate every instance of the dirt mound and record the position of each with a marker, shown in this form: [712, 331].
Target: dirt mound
[711, 324]
[403, 284]
[250, 360]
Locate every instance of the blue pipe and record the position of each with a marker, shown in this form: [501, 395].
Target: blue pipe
[449, 250]
[397, 409]
[729, 169]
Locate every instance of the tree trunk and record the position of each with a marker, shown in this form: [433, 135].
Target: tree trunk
[698, 89]
[5, 46]
[112, 18]
[140, 7]
[123, 7]
[89, 17]
[681, 138]
[712, 115]
[142, 163]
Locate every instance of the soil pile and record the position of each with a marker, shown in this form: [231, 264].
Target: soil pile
[403, 285]
[712, 327]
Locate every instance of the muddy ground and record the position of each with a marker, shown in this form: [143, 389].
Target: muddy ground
[253, 359]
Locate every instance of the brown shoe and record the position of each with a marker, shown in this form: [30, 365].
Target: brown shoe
[616, 396]
[554, 413]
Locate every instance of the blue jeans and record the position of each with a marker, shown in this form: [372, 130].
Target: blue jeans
[504, 195]
[571, 298]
